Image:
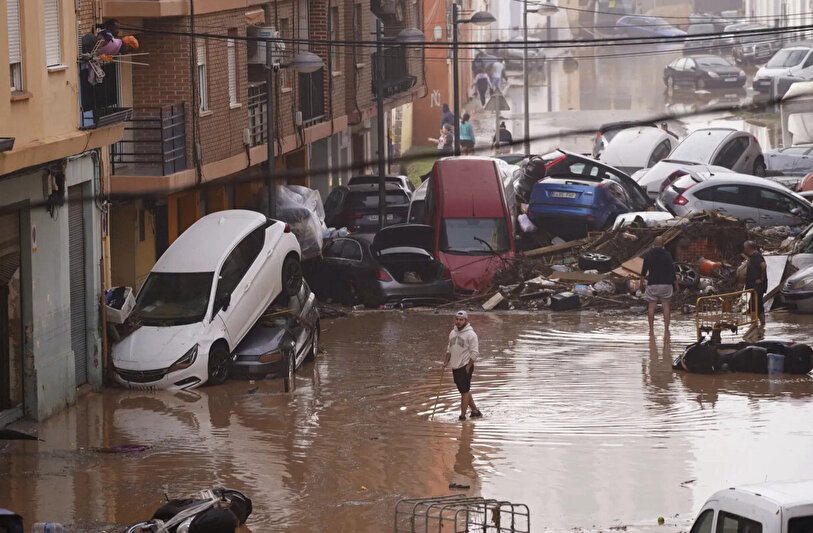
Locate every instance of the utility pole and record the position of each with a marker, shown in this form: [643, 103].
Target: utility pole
[379, 97]
[269, 128]
[455, 79]
[525, 90]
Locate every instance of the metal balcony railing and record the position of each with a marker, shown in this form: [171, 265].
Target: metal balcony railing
[258, 133]
[397, 78]
[154, 142]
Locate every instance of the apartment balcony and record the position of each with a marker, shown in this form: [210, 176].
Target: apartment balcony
[98, 104]
[397, 78]
[154, 143]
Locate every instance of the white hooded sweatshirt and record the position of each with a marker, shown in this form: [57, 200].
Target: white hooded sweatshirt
[463, 346]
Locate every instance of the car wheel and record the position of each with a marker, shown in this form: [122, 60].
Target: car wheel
[218, 365]
[290, 370]
[699, 84]
[687, 275]
[291, 276]
[759, 168]
[351, 293]
[314, 353]
[595, 261]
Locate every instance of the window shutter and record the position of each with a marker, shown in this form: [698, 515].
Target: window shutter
[15, 53]
[232, 62]
[200, 52]
[53, 55]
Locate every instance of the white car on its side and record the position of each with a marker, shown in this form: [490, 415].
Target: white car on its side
[202, 297]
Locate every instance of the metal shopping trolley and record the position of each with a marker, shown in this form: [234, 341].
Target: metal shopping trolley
[730, 311]
[460, 513]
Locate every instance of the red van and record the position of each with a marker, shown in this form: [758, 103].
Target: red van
[466, 205]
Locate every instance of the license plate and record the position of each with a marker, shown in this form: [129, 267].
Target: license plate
[557, 194]
[374, 218]
[731, 79]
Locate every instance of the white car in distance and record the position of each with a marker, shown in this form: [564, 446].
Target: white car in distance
[202, 297]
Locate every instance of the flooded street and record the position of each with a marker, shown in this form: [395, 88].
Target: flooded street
[585, 421]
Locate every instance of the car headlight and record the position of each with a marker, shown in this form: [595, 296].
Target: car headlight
[713, 75]
[804, 283]
[186, 361]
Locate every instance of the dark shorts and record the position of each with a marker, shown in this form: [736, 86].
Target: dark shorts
[466, 144]
[462, 378]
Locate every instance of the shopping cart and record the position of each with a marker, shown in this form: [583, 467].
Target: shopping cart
[460, 514]
[730, 311]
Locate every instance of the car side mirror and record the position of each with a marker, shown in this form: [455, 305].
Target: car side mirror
[222, 302]
[796, 211]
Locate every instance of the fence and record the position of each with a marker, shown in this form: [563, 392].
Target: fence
[154, 142]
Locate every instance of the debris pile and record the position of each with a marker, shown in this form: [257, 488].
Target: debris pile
[603, 270]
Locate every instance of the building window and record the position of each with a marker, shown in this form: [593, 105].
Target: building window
[284, 34]
[231, 59]
[303, 31]
[15, 51]
[333, 36]
[200, 54]
[51, 35]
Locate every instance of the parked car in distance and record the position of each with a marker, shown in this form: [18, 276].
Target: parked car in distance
[702, 72]
[417, 206]
[466, 206]
[794, 61]
[635, 148]
[355, 207]
[797, 292]
[579, 194]
[202, 297]
[724, 147]
[655, 179]
[372, 179]
[758, 508]
[791, 161]
[394, 265]
[285, 336]
[702, 45]
[646, 26]
[752, 48]
[758, 201]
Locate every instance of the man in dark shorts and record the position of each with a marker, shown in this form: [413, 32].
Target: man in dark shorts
[661, 282]
[756, 277]
[462, 351]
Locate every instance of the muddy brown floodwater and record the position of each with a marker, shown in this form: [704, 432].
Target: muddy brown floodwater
[584, 421]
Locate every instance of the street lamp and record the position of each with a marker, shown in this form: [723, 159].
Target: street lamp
[304, 62]
[480, 18]
[405, 36]
[546, 9]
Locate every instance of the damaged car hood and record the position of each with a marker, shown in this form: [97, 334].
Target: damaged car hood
[151, 347]
[472, 272]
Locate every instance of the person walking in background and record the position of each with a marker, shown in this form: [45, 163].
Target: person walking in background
[497, 69]
[447, 117]
[661, 283]
[461, 353]
[482, 83]
[467, 135]
[756, 278]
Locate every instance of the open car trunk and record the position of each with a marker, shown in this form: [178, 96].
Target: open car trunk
[411, 266]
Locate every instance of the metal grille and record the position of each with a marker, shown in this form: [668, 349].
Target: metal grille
[461, 514]
[154, 142]
[725, 311]
[257, 113]
[143, 376]
[76, 250]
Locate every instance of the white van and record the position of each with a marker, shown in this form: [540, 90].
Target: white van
[794, 61]
[761, 508]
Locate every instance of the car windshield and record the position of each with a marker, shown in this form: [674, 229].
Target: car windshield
[713, 62]
[787, 58]
[369, 199]
[174, 298]
[475, 236]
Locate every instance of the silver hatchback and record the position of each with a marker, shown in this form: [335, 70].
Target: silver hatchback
[725, 147]
[757, 201]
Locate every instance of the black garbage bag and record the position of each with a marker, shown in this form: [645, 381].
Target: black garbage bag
[217, 510]
[799, 359]
[750, 359]
[699, 358]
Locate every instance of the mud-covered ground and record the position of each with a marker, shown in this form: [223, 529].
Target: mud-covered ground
[585, 421]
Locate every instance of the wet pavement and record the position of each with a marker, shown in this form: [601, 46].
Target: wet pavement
[584, 421]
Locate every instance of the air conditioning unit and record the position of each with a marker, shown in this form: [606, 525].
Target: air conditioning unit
[256, 49]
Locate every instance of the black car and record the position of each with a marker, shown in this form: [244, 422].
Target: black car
[355, 207]
[285, 336]
[372, 179]
[702, 72]
[394, 265]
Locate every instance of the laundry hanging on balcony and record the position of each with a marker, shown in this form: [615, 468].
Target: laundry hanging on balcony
[105, 47]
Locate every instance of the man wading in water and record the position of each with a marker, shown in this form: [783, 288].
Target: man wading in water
[462, 352]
